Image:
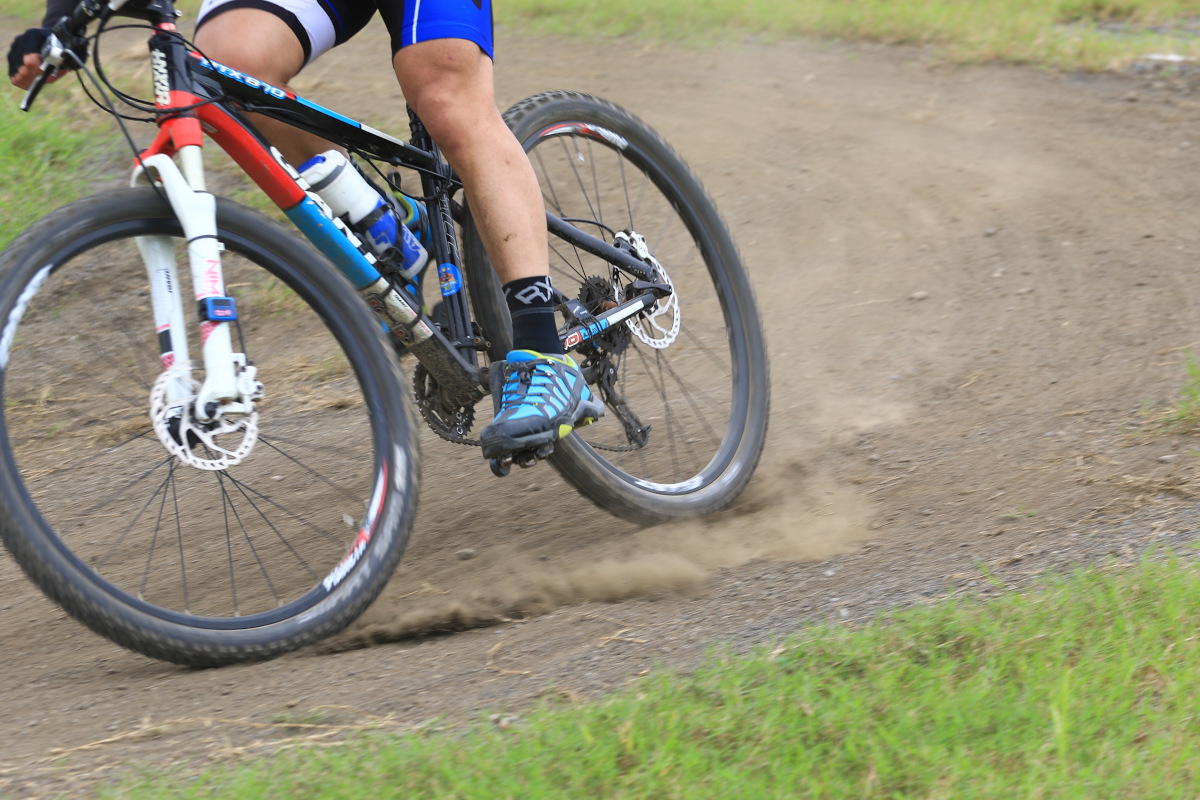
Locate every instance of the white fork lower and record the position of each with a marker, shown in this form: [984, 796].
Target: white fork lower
[196, 211]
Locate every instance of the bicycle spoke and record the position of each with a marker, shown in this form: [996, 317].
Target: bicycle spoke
[548, 185]
[579, 272]
[179, 538]
[574, 164]
[245, 492]
[120, 539]
[152, 525]
[154, 540]
[345, 492]
[671, 400]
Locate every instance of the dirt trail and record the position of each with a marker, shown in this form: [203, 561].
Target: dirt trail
[973, 280]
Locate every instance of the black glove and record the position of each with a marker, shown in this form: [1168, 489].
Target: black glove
[31, 41]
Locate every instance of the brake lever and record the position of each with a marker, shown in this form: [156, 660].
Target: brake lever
[36, 87]
[52, 59]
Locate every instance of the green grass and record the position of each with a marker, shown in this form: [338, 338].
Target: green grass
[31, 10]
[1083, 688]
[1071, 34]
[48, 157]
[1062, 33]
[1187, 409]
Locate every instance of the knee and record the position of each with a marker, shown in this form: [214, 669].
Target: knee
[253, 42]
[453, 120]
[449, 84]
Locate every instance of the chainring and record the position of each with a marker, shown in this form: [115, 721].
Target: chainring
[451, 423]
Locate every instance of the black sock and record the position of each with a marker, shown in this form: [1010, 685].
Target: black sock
[531, 305]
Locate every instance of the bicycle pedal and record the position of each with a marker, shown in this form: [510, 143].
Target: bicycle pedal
[528, 458]
[524, 459]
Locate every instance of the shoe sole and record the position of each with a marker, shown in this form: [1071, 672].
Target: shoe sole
[500, 446]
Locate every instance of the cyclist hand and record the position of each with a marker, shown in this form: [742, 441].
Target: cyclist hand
[25, 59]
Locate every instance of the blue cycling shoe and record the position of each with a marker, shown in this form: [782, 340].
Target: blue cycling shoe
[539, 399]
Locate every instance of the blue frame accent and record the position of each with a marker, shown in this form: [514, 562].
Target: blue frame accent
[326, 237]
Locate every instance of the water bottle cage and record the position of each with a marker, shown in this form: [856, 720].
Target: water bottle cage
[393, 260]
[366, 222]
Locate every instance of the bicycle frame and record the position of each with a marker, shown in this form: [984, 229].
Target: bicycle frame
[195, 97]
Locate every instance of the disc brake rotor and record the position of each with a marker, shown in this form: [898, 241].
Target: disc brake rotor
[192, 442]
[657, 326]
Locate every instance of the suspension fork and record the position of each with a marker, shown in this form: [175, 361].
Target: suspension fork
[185, 189]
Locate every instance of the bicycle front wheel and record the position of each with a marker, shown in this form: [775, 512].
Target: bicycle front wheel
[196, 564]
[686, 385]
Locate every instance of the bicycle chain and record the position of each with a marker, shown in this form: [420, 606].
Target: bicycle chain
[612, 448]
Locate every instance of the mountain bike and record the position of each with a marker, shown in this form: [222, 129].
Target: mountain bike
[234, 475]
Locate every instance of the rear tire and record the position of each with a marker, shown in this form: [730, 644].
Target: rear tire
[183, 564]
[703, 389]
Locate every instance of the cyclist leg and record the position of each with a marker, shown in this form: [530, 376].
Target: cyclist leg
[260, 44]
[272, 40]
[539, 393]
[449, 82]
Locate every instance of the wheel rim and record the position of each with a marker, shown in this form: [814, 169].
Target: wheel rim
[237, 548]
[690, 391]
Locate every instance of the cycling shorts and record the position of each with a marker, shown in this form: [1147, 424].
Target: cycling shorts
[324, 24]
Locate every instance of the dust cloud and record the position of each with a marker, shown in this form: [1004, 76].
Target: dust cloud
[785, 515]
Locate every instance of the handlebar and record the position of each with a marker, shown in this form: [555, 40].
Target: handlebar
[83, 14]
[67, 41]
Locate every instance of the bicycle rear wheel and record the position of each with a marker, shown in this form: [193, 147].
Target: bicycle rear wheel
[197, 566]
[687, 391]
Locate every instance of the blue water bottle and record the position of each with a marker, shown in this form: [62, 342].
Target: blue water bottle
[349, 196]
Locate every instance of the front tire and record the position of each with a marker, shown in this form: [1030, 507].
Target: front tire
[183, 564]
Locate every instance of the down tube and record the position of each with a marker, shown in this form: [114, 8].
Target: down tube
[287, 189]
[280, 182]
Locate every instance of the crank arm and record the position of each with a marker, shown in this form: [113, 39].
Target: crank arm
[463, 382]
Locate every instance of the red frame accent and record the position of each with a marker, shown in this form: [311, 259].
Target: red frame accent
[243, 147]
[249, 153]
[176, 132]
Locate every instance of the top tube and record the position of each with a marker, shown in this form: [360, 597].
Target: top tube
[304, 114]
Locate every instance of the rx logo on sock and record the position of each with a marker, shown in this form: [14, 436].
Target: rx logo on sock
[541, 290]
